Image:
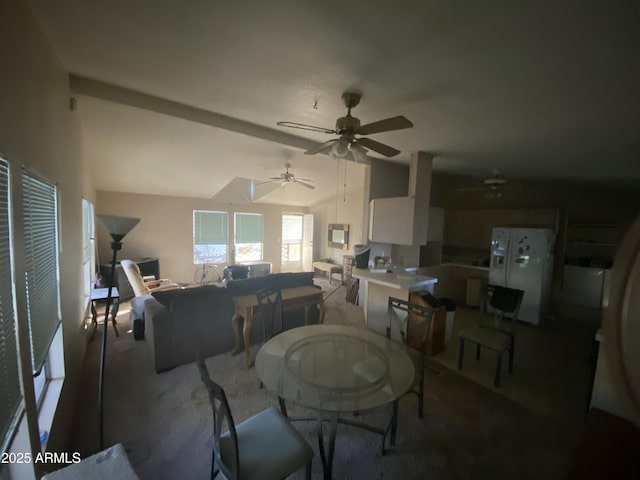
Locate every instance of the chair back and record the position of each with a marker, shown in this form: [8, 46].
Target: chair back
[270, 300]
[505, 302]
[411, 321]
[132, 271]
[225, 448]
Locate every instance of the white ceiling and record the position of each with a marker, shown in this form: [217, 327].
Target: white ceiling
[545, 90]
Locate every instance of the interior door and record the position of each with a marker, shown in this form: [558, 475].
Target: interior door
[307, 242]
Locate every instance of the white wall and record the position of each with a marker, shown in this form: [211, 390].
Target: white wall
[349, 211]
[166, 229]
[38, 130]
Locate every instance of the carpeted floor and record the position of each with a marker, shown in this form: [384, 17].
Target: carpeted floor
[164, 421]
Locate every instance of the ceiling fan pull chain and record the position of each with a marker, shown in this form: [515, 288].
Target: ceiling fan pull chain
[344, 193]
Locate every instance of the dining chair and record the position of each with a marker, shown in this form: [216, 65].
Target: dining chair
[412, 322]
[270, 301]
[264, 446]
[495, 331]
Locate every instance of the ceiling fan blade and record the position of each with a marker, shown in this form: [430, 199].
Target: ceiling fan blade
[386, 125]
[381, 148]
[321, 147]
[304, 184]
[302, 126]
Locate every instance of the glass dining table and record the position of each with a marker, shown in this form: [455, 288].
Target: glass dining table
[336, 369]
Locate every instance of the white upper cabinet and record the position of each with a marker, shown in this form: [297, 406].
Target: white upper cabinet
[391, 220]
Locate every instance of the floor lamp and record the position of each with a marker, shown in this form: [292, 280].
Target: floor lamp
[117, 227]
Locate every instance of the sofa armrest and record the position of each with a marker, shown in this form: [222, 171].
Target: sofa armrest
[158, 333]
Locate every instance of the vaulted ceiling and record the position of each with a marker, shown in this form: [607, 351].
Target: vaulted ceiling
[544, 90]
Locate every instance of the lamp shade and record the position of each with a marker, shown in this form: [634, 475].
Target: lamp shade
[340, 148]
[118, 226]
[358, 151]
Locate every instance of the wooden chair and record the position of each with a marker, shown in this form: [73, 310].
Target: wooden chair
[412, 322]
[495, 332]
[264, 446]
[270, 301]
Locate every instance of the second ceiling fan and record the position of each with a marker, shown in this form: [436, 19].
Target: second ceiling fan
[348, 127]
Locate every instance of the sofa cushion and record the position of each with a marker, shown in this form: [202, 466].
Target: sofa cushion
[165, 297]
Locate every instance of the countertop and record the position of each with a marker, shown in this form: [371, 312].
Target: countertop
[465, 265]
[406, 281]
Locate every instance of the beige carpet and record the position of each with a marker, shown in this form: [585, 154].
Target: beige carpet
[164, 421]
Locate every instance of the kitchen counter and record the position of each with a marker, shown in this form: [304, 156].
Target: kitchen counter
[377, 287]
[465, 265]
[401, 281]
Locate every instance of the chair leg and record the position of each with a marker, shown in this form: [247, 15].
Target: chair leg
[478, 351]
[461, 353]
[421, 398]
[498, 370]
[307, 471]
[511, 358]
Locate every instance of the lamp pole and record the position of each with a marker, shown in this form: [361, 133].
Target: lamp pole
[117, 227]
[116, 245]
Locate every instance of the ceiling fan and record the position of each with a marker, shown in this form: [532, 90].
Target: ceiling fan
[347, 127]
[286, 178]
[491, 186]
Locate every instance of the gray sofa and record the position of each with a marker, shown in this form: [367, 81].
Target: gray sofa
[178, 324]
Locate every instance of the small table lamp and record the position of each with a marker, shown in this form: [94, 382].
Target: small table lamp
[117, 227]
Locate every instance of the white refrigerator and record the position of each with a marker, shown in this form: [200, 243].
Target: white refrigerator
[522, 258]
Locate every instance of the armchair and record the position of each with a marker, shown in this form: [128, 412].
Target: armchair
[141, 285]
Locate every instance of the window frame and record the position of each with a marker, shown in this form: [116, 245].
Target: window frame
[198, 257]
[286, 243]
[247, 235]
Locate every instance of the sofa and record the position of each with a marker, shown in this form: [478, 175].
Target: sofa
[181, 323]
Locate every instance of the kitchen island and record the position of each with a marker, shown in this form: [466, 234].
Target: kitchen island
[377, 286]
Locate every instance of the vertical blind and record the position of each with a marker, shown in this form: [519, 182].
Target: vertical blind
[41, 265]
[210, 227]
[10, 394]
[249, 228]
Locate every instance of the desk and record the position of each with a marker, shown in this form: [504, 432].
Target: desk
[246, 305]
[100, 294]
[334, 369]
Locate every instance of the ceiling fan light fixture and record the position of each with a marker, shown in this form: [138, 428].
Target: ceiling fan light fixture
[340, 148]
[493, 194]
[359, 152]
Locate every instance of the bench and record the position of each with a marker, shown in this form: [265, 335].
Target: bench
[329, 268]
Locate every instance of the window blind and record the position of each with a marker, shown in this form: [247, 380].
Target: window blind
[210, 227]
[41, 265]
[10, 394]
[249, 228]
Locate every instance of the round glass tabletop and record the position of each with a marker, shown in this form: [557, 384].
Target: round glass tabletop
[335, 368]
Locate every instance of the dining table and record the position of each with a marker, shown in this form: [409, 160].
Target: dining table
[335, 370]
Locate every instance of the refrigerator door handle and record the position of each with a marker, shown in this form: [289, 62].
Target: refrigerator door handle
[507, 262]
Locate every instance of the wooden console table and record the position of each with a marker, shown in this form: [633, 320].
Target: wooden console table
[246, 305]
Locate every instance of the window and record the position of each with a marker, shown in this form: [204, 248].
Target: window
[88, 249]
[42, 274]
[291, 238]
[11, 397]
[249, 237]
[210, 236]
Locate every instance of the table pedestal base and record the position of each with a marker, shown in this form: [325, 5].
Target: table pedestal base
[333, 419]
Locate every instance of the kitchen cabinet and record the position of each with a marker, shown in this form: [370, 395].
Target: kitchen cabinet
[391, 220]
[469, 228]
